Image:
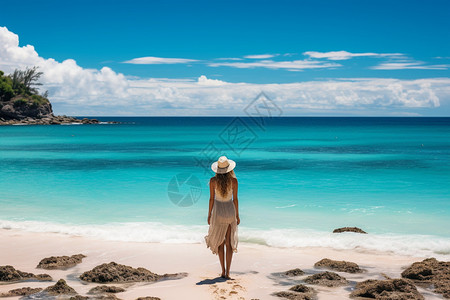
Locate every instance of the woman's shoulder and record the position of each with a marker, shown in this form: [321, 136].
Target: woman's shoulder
[212, 180]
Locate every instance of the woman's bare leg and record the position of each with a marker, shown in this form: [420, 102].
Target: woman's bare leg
[221, 258]
[229, 251]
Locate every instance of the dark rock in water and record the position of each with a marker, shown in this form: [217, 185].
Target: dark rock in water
[340, 266]
[431, 271]
[329, 279]
[114, 272]
[106, 289]
[60, 262]
[295, 296]
[89, 121]
[9, 273]
[148, 298]
[60, 288]
[294, 272]
[398, 289]
[21, 292]
[349, 229]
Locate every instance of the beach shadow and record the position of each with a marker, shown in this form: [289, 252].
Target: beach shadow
[211, 281]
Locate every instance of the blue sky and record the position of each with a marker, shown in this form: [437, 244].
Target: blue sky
[251, 42]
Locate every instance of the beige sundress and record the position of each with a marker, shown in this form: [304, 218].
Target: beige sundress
[223, 215]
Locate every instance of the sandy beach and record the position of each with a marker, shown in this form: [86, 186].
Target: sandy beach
[212, 150]
[254, 271]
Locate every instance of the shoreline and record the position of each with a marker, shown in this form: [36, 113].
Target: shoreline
[156, 232]
[254, 267]
[52, 120]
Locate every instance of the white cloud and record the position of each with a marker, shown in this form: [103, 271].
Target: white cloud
[66, 81]
[152, 60]
[260, 56]
[409, 66]
[293, 65]
[78, 91]
[345, 55]
[202, 80]
[353, 96]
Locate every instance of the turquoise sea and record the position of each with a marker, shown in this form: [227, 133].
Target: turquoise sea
[146, 180]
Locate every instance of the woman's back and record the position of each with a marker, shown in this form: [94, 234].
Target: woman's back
[223, 209]
[223, 215]
[226, 197]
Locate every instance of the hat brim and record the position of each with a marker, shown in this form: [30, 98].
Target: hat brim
[216, 169]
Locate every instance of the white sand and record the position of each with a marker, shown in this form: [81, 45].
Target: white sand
[252, 267]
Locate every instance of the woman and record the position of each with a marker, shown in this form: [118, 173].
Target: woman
[223, 216]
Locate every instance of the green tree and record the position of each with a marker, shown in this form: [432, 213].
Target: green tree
[24, 82]
[6, 89]
[31, 79]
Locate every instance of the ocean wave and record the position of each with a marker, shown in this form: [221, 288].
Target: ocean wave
[414, 245]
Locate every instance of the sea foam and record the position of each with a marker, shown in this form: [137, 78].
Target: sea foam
[152, 232]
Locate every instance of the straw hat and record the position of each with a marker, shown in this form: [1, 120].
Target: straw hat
[223, 165]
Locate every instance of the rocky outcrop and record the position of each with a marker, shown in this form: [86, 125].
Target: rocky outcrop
[298, 292]
[106, 289]
[431, 272]
[78, 297]
[114, 272]
[340, 266]
[91, 121]
[21, 103]
[301, 288]
[296, 296]
[21, 292]
[23, 106]
[349, 229]
[10, 274]
[26, 110]
[60, 288]
[54, 120]
[148, 298]
[294, 272]
[329, 279]
[60, 262]
[97, 297]
[106, 297]
[398, 289]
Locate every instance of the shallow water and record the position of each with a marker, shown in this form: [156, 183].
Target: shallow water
[299, 179]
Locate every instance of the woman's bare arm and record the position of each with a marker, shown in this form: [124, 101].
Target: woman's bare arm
[235, 199]
[211, 198]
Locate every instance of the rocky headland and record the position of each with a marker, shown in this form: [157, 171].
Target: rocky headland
[21, 104]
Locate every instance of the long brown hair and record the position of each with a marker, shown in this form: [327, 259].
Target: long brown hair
[223, 182]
